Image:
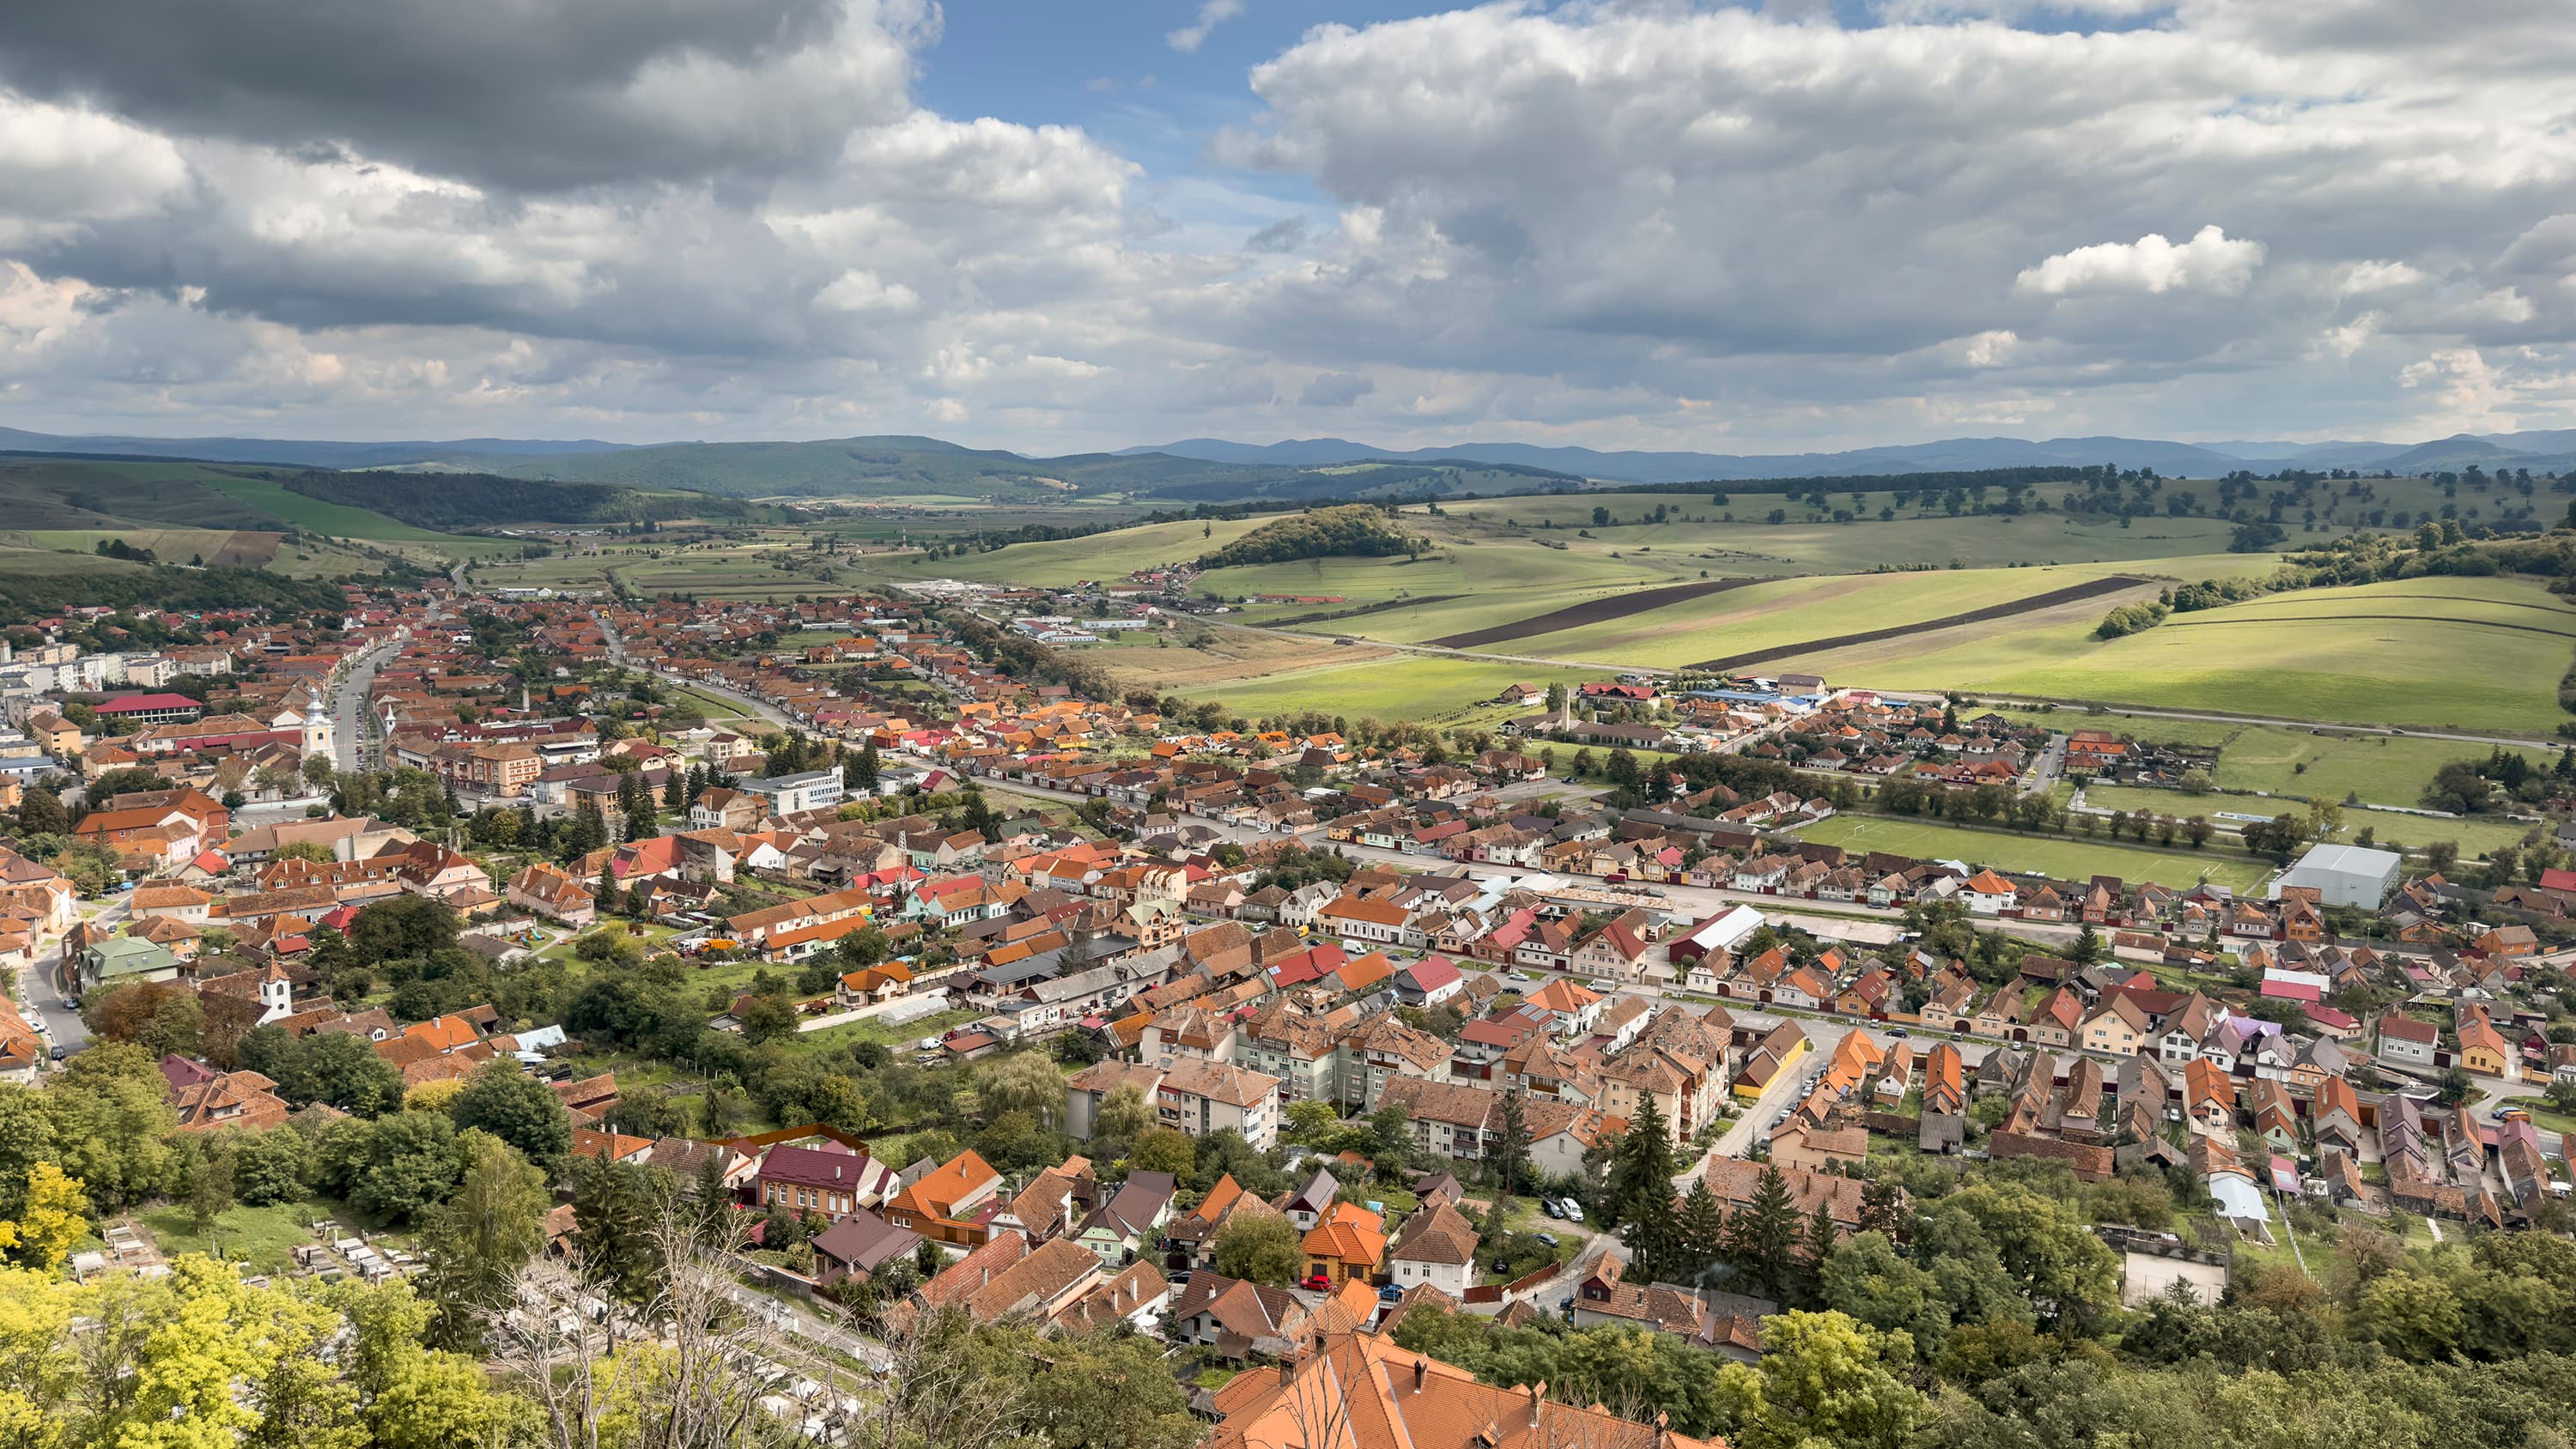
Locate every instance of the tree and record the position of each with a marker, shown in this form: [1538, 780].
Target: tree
[1866, 1278]
[1390, 1144]
[270, 1167]
[615, 1206]
[1123, 1115]
[1702, 1232]
[479, 1239]
[210, 1183]
[516, 1108]
[1762, 1235]
[397, 1166]
[1823, 1380]
[1509, 1154]
[1025, 1081]
[1641, 1169]
[52, 1215]
[2088, 946]
[1264, 1249]
[1163, 1149]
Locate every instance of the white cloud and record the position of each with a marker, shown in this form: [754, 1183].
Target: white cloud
[1212, 13]
[2362, 278]
[2209, 262]
[1624, 225]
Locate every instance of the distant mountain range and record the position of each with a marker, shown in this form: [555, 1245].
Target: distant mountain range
[2549, 451]
[1218, 470]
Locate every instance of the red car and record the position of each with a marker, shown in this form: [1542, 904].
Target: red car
[1318, 1281]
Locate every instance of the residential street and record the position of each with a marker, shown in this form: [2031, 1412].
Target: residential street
[350, 746]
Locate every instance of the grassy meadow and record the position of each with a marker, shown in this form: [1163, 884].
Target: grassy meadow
[2059, 859]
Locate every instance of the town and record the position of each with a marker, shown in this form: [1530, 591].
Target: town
[960, 988]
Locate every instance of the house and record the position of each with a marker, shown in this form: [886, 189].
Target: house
[1238, 1319]
[552, 892]
[2483, 1049]
[858, 1245]
[1131, 1221]
[1347, 1242]
[1307, 1205]
[1363, 1391]
[1988, 894]
[831, 1180]
[1191, 1237]
[943, 1203]
[2404, 1041]
[243, 1099]
[1437, 1246]
[1796, 1143]
[1575, 1007]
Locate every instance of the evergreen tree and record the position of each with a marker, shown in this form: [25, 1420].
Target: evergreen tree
[860, 772]
[1882, 1209]
[1641, 1168]
[604, 891]
[589, 831]
[1818, 1242]
[675, 791]
[1703, 1232]
[1510, 1153]
[2088, 946]
[697, 785]
[1762, 1236]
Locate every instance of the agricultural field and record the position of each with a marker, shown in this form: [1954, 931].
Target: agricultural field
[2472, 654]
[1151, 659]
[1064, 561]
[1754, 623]
[1423, 687]
[2476, 837]
[2060, 859]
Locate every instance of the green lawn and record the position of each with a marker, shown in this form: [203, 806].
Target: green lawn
[2060, 859]
[2476, 837]
[264, 1238]
[849, 1034]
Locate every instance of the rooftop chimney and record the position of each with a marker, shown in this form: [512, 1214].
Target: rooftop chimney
[1417, 1374]
[1537, 1393]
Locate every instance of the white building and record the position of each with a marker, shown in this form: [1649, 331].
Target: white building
[2343, 875]
[788, 794]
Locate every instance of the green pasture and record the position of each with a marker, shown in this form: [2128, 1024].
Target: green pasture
[339, 520]
[2058, 859]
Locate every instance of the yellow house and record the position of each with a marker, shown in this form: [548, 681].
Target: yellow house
[2482, 1047]
[1776, 1056]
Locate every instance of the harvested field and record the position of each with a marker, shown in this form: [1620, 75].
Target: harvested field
[1590, 611]
[1230, 656]
[2072, 593]
[1381, 606]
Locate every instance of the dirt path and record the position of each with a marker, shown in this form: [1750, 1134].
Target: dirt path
[2072, 593]
[1592, 611]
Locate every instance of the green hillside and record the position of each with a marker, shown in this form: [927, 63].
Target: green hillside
[472, 500]
[925, 468]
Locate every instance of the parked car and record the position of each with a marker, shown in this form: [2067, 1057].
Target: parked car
[1548, 1206]
[1548, 1238]
[1317, 1281]
[1896, 1031]
[1389, 1293]
[1573, 1211]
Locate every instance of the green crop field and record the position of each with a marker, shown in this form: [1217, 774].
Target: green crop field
[2378, 654]
[2059, 859]
[1111, 555]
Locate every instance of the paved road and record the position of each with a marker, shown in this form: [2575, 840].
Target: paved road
[349, 745]
[40, 986]
[756, 707]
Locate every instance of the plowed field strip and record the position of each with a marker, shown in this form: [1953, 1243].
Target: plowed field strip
[1593, 611]
[2072, 593]
[2188, 622]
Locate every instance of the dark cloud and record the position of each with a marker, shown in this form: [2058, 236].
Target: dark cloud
[1280, 237]
[1335, 390]
[506, 92]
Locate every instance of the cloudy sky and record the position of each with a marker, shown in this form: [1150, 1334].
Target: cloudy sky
[1049, 225]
